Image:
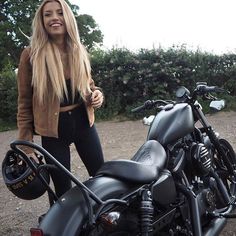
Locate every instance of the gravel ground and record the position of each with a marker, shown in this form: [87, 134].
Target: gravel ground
[119, 140]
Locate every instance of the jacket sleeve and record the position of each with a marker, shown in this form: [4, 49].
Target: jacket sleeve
[25, 94]
[92, 86]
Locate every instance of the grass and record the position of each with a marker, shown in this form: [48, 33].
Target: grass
[7, 125]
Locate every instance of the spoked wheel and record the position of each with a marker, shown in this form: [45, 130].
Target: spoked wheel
[222, 170]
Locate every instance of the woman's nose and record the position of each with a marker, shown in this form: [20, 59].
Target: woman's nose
[55, 16]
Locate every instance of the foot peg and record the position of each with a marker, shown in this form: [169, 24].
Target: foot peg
[229, 215]
[223, 215]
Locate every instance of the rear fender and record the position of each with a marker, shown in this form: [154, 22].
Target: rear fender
[68, 214]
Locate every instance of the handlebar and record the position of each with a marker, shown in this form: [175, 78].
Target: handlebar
[150, 104]
[147, 105]
[183, 95]
[137, 109]
[203, 89]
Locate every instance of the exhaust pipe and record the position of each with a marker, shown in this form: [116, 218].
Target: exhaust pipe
[215, 227]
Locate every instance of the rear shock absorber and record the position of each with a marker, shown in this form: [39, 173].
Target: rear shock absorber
[146, 213]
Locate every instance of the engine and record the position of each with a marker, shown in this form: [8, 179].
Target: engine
[201, 159]
[193, 154]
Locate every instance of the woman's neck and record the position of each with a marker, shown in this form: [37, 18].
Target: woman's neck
[61, 44]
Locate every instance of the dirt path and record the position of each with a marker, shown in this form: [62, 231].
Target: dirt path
[119, 140]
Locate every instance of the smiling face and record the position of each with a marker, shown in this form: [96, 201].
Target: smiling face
[53, 20]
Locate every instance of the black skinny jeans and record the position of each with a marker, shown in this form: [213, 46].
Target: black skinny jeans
[74, 128]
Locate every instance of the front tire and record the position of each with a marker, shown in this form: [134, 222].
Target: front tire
[228, 179]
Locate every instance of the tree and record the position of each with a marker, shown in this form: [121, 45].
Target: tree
[89, 31]
[14, 14]
[17, 15]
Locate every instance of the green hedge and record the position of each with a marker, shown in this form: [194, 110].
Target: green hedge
[8, 94]
[128, 78]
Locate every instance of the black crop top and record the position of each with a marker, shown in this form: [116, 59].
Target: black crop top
[69, 101]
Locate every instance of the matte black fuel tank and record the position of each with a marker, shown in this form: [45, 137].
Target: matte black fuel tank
[172, 123]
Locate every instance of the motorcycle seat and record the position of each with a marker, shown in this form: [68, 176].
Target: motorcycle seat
[144, 167]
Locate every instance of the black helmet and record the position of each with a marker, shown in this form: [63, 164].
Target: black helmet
[20, 179]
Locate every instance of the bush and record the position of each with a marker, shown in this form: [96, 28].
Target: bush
[8, 94]
[128, 79]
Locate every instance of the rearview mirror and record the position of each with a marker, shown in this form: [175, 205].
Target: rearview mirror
[217, 105]
[148, 120]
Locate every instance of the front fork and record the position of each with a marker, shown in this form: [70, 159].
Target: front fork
[214, 139]
[221, 187]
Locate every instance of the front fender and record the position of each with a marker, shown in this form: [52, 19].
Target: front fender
[67, 216]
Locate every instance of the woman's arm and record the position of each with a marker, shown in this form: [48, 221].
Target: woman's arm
[25, 94]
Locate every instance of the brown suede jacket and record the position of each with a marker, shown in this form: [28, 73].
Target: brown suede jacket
[32, 116]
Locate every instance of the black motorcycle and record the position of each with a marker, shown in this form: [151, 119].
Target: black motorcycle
[182, 180]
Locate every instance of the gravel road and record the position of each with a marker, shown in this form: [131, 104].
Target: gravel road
[119, 140]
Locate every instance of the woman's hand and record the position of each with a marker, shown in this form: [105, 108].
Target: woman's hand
[33, 156]
[96, 99]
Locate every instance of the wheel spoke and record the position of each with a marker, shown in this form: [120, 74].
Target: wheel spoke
[228, 180]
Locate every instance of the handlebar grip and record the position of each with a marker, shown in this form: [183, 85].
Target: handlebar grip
[209, 89]
[137, 109]
[147, 105]
[206, 89]
[221, 90]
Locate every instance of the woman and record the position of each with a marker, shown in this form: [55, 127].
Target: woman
[57, 95]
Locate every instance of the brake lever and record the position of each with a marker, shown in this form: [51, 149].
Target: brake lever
[209, 96]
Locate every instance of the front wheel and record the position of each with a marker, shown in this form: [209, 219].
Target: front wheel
[228, 179]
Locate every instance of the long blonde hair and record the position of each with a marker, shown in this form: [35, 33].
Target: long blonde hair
[46, 61]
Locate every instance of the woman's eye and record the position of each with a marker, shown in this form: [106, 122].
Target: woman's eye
[47, 14]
